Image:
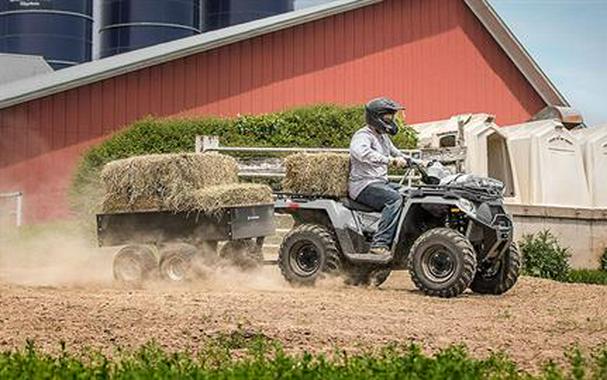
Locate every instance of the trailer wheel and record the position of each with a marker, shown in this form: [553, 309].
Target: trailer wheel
[244, 254]
[177, 262]
[443, 262]
[308, 252]
[502, 277]
[134, 264]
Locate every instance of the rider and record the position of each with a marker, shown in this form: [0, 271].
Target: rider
[371, 151]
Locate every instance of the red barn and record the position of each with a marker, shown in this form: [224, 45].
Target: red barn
[438, 57]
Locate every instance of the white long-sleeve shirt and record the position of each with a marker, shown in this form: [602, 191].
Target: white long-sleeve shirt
[370, 154]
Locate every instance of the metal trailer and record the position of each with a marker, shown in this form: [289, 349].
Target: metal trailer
[177, 246]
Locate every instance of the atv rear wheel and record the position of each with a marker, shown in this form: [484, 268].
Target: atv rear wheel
[442, 262]
[177, 262]
[501, 277]
[134, 264]
[308, 252]
[244, 254]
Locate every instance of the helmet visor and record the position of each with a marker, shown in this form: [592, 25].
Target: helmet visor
[388, 117]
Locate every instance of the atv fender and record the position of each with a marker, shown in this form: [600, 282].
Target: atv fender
[341, 219]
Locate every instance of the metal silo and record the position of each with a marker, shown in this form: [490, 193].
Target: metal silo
[222, 13]
[58, 30]
[133, 24]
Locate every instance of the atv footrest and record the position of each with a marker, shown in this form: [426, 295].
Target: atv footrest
[370, 258]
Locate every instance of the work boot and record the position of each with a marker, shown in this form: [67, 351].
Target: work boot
[380, 251]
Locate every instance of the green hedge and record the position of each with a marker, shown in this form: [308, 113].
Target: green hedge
[327, 126]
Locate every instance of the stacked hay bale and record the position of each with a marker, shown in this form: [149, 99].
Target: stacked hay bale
[323, 174]
[234, 194]
[177, 182]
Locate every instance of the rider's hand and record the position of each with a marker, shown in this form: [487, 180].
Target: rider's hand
[400, 162]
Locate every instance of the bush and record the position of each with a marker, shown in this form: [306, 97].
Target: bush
[328, 126]
[544, 257]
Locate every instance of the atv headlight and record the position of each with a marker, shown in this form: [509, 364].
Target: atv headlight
[466, 206]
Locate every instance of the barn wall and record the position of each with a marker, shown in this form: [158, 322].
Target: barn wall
[432, 55]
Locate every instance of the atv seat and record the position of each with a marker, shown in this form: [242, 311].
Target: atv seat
[353, 205]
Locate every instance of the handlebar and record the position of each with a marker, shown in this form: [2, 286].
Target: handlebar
[428, 180]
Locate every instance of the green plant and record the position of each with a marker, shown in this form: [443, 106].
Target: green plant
[328, 126]
[604, 260]
[544, 257]
[257, 359]
[588, 276]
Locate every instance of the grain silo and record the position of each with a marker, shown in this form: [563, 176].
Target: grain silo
[58, 30]
[127, 25]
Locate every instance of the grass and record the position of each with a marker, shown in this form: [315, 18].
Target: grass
[588, 276]
[252, 356]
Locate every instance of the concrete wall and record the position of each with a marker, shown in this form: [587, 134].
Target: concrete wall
[584, 231]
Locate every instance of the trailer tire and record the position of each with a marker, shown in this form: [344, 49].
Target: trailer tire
[134, 264]
[503, 278]
[442, 263]
[244, 254]
[178, 262]
[308, 252]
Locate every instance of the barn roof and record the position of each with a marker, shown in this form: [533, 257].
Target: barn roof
[47, 84]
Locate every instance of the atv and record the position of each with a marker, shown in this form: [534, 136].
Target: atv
[453, 234]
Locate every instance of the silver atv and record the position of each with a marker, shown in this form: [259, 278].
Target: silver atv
[453, 234]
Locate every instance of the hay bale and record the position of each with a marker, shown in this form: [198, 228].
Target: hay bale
[317, 174]
[163, 181]
[211, 199]
[114, 203]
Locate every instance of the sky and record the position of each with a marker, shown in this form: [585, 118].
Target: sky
[568, 40]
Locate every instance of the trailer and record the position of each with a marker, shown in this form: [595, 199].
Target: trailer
[177, 246]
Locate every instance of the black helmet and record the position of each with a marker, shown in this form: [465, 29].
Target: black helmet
[379, 114]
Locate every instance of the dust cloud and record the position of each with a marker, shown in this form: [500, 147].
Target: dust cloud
[225, 277]
[47, 256]
[66, 255]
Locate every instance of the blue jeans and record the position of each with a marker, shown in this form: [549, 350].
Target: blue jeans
[384, 198]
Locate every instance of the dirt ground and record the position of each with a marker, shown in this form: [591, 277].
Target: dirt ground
[536, 321]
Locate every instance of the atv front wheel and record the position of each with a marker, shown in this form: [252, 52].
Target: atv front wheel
[442, 262]
[502, 276]
[308, 252]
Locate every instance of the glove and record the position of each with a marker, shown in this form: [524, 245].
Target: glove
[400, 162]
